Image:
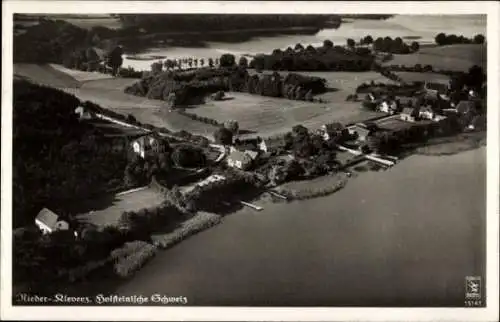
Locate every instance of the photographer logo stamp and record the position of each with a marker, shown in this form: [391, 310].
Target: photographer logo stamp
[473, 287]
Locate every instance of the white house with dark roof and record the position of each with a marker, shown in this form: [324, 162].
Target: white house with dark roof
[147, 143]
[331, 130]
[410, 114]
[83, 113]
[48, 222]
[427, 112]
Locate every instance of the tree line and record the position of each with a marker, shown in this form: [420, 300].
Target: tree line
[451, 39]
[188, 88]
[326, 57]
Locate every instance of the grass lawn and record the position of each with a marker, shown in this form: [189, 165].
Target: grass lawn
[107, 210]
[452, 57]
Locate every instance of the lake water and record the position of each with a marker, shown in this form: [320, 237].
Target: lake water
[426, 27]
[405, 236]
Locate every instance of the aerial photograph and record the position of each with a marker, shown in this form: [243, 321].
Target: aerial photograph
[257, 160]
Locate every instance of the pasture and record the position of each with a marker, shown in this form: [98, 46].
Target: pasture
[270, 116]
[410, 77]
[56, 75]
[45, 75]
[79, 75]
[108, 93]
[452, 57]
[107, 210]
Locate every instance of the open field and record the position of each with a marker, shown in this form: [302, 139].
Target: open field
[107, 210]
[79, 75]
[452, 57]
[269, 116]
[56, 75]
[422, 77]
[109, 94]
[46, 75]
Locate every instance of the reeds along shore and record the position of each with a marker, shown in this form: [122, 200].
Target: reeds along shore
[310, 193]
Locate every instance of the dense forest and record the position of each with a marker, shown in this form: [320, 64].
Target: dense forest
[212, 22]
[57, 158]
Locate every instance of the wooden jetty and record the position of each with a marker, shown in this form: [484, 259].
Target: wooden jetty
[255, 207]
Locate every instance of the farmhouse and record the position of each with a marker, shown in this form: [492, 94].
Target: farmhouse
[147, 143]
[427, 112]
[48, 222]
[410, 114]
[387, 106]
[272, 144]
[239, 159]
[331, 130]
[362, 131]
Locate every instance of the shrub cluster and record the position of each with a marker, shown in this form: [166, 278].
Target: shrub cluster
[197, 223]
[310, 193]
[393, 89]
[131, 257]
[202, 119]
[395, 46]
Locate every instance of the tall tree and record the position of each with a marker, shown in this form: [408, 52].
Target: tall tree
[479, 39]
[440, 39]
[227, 60]
[223, 136]
[328, 43]
[368, 40]
[115, 59]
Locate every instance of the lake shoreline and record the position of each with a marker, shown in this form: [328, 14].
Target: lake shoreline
[387, 244]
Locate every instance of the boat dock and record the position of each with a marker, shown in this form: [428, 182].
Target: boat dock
[370, 157]
[255, 207]
[277, 194]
